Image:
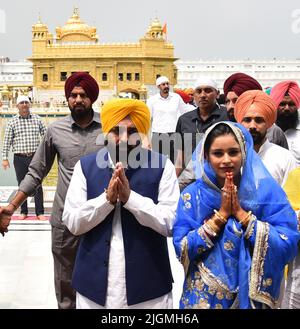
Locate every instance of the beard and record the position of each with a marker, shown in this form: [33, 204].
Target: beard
[287, 120]
[166, 90]
[257, 137]
[121, 152]
[230, 114]
[80, 112]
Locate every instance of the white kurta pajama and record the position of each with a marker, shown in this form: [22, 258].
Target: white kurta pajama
[81, 215]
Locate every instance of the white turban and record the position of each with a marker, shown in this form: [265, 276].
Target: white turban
[22, 98]
[161, 80]
[205, 81]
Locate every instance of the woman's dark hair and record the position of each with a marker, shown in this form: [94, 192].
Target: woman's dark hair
[220, 130]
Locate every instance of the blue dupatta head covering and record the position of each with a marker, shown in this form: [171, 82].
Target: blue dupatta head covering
[249, 263]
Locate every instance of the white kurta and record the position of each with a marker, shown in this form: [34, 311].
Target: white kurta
[278, 160]
[81, 215]
[165, 112]
[293, 139]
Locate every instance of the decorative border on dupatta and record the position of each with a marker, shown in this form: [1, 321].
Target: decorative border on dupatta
[211, 280]
[257, 267]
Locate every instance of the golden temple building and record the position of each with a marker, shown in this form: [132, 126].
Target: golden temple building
[129, 68]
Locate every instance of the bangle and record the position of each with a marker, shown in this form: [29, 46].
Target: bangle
[245, 220]
[222, 218]
[209, 230]
[211, 223]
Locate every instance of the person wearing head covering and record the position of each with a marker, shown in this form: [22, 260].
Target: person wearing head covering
[187, 98]
[237, 84]
[234, 230]
[121, 202]
[165, 109]
[66, 140]
[286, 95]
[192, 125]
[234, 86]
[23, 134]
[256, 111]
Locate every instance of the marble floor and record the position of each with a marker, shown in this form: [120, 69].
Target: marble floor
[26, 267]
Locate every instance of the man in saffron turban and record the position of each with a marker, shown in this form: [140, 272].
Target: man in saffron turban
[286, 95]
[256, 111]
[123, 209]
[66, 139]
[237, 84]
[234, 86]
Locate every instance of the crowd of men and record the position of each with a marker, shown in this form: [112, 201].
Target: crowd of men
[111, 215]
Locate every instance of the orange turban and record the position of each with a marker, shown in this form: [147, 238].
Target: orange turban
[264, 105]
[189, 91]
[116, 110]
[282, 88]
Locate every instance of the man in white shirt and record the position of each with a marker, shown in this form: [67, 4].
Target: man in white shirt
[122, 201]
[165, 109]
[256, 111]
[286, 95]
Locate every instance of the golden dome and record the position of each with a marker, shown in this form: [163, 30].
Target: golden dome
[75, 23]
[156, 24]
[39, 25]
[155, 30]
[75, 26]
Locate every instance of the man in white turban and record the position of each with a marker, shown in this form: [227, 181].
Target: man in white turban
[165, 109]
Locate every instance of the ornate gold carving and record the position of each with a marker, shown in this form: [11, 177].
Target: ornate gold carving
[257, 269]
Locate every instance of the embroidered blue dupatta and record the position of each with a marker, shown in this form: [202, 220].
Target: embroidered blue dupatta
[239, 268]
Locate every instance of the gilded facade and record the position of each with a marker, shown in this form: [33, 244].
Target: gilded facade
[117, 67]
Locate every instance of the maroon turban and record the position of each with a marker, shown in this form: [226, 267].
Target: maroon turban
[86, 82]
[239, 83]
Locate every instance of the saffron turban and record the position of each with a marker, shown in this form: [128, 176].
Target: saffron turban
[239, 83]
[189, 91]
[86, 82]
[116, 110]
[185, 97]
[258, 101]
[286, 87]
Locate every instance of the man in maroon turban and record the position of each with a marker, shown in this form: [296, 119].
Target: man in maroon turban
[67, 140]
[234, 87]
[81, 91]
[86, 82]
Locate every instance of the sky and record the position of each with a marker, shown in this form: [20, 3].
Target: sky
[209, 30]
